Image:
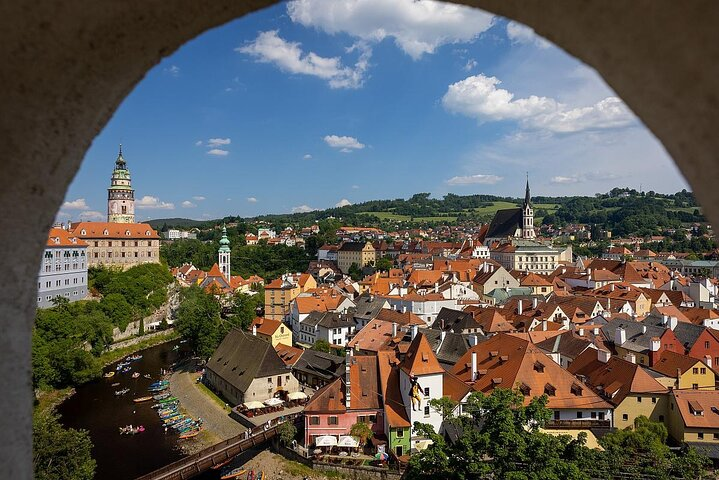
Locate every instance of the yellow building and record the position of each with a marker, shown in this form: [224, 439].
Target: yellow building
[683, 372]
[627, 386]
[119, 244]
[693, 416]
[280, 292]
[359, 253]
[272, 331]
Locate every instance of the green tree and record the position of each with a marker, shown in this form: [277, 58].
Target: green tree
[384, 264]
[198, 320]
[322, 346]
[60, 453]
[361, 430]
[287, 433]
[355, 272]
[245, 308]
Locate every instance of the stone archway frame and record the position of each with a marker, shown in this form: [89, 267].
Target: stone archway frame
[67, 65]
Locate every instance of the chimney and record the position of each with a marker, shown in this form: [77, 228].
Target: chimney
[708, 360]
[581, 332]
[348, 361]
[404, 308]
[609, 304]
[673, 322]
[413, 330]
[394, 329]
[644, 329]
[474, 366]
[473, 340]
[665, 319]
[519, 307]
[544, 325]
[611, 287]
[654, 346]
[254, 330]
[620, 336]
[631, 357]
[535, 302]
[603, 355]
[595, 331]
[442, 334]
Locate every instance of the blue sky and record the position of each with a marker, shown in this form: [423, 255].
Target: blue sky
[312, 103]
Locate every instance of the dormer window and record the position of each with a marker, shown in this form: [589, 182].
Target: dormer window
[525, 389]
[127, 233]
[576, 390]
[550, 390]
[695, 408]
[539, 367]
[105, 232]
[147, 233]
[56, 240]
[493, 353]
[497, 380]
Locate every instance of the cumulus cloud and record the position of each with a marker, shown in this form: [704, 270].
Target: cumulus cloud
[218, 142]
[198, 143]
[199, 198]
[559, 180]
[188, 204]
[78, 204]
[90, 215]
[355, 187]
[173, 70]
[218, 152]
[478, 97]
[583, 177]
[417, 28]
[252, 199]
[303, 209]
[343, 203]
[154, 203]
[344, 143]
[519, 33]
[478, 179]
[307, 156]
[288, 56]
[470, 65]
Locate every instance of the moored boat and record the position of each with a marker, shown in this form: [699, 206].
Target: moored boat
[141, 399]
[234, 473]
[109, 374]
[190, 434]
[136, 374]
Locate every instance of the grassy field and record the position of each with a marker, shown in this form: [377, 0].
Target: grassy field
[203, 388]
[485, 211]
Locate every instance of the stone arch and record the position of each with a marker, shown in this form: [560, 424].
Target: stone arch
[66, 66]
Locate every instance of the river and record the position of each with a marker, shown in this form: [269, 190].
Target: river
[94, 407]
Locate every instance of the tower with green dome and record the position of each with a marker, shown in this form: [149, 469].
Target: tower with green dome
[224, 254]
[120, 195]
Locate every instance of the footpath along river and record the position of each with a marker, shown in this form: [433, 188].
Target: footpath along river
[94, 407]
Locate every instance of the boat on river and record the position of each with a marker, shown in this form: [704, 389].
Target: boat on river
[130, 430]
[109, 374]
[141, 399]
[234, 473]
[251, 475]
[119, 393]
[116, 384]
[191, 434]
[136, 374]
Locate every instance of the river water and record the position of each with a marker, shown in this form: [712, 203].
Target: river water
[94, 407]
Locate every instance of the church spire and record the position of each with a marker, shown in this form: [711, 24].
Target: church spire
[527, 196]
[120, 162]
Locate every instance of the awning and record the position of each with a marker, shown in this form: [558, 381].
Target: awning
[326, 441]
[348, 441]
[297, 396]
[253, 405]
[271, 402]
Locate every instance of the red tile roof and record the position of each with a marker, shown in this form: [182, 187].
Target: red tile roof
[114, 230]
[57, 237]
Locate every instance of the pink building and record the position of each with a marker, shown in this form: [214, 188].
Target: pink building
[347, 400]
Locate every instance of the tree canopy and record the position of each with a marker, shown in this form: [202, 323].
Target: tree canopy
[60, 453]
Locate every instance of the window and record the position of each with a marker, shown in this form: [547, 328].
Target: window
[716, 436]
[695, 370]
[700, 435]
[654, 399]
[556, 414]
[398, 449]
[639, 399]
[695, 386]
[625, 417]
[361, 419]
[549, 390]
[314, 420]
[332, 421]
[426, 411]
[703, 371]
[706, 344]
[593, 415]
[661, 418]
[400, 433]
[580, 414]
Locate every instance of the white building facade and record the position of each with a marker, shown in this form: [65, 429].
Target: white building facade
[63, 272]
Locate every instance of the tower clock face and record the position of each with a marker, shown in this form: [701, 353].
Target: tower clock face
[113, 207]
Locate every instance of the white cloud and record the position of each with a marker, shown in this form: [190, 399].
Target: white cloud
[173, 70]
[252, 199]
[188, 204]
[218, 142]
[303, 209]
[519, 33]
[150, 202]
[475, 179]
[584, 177]
[78, 204]
[478, 97]
[198, 143]
[559, 180]
[199, 198]
[417, 27]
[218, 152]
[355, 187]
[269, 47]
[470, 65]
[307, 156]
[344, 143]
[343, 203]
[90, 215]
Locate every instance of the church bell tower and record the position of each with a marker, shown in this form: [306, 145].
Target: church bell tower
[527, 215]
[224, 255]
[120, 195]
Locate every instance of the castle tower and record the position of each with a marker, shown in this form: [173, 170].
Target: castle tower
[120, 195]
[527, 215]
[224, 255]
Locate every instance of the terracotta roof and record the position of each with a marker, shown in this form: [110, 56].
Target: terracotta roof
[375, 336]
[420, 359]
[394, 407]
[492, 321]
[265, 326]
[215, 271]
[505, 361]
[454, 388]
[534, 280]
[407, 318]
[698, 408]
[669, 362]
[697, 315]
[57, 237]
[115, 230]
[364, 389]
[567, 344]
[425, 277]
[614, 379]
[288, 354]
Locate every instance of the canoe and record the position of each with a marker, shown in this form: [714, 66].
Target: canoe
[233, 473]
[220, 465]
[109, 374]
[135, 375]
[261, 476]
[251, 475]
[194, 433]
[141, 399]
